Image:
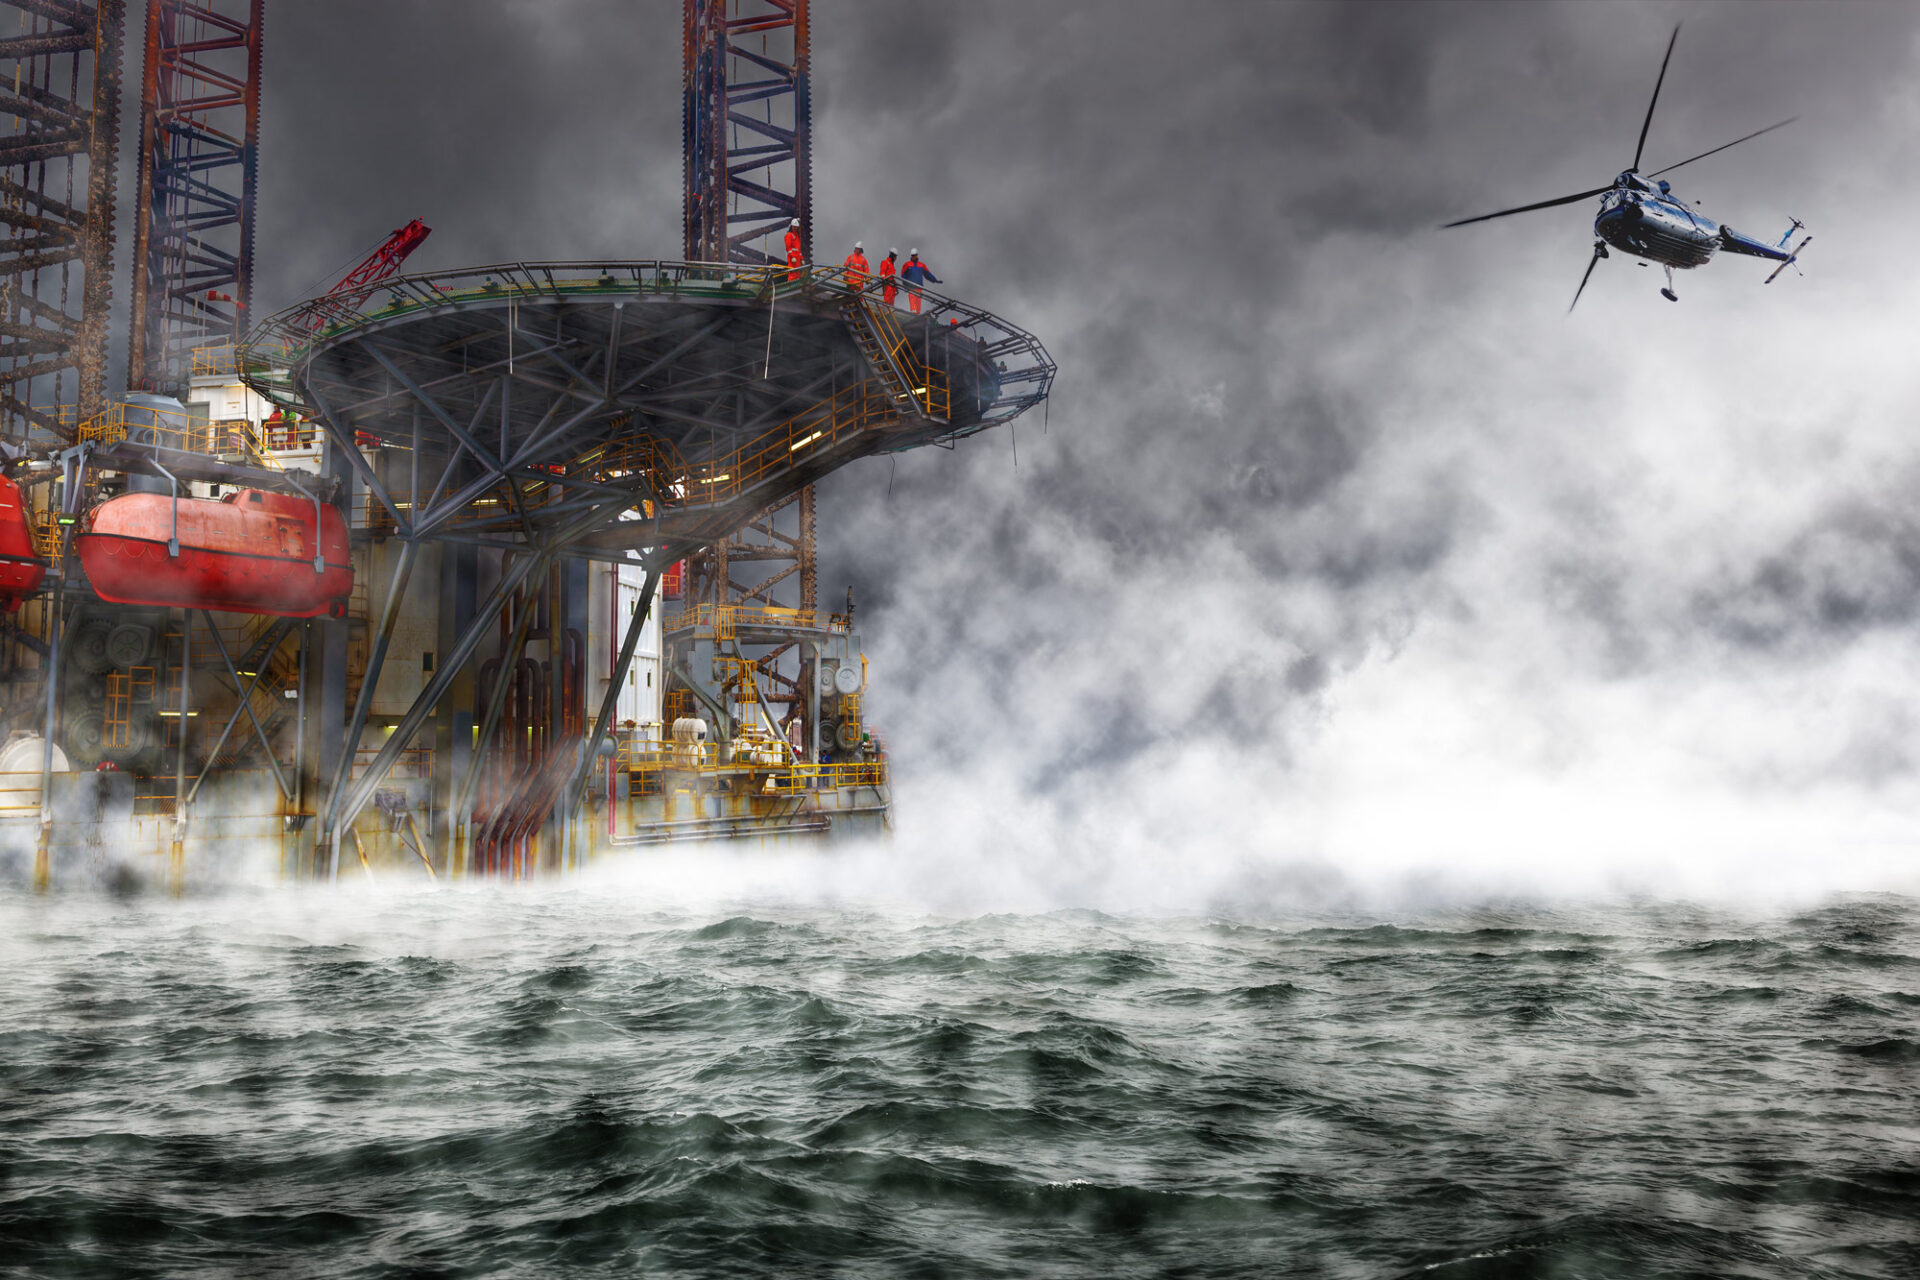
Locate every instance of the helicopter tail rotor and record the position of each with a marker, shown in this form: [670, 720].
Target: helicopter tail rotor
[1793, 259]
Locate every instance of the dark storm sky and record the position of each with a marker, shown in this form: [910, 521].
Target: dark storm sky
[1341, 540]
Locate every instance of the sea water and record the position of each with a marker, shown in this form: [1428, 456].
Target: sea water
[560, 1081]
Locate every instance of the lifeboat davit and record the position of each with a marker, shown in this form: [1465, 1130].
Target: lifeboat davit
[21, 568]
[248, 552]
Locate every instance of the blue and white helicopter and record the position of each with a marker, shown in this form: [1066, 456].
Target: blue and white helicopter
[1641, 215]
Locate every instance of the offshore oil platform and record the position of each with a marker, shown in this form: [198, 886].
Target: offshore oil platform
[488, 571]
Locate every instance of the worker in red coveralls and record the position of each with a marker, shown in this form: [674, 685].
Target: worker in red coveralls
[888, 272]
[915, 273]
[857, 268]
[794, 260]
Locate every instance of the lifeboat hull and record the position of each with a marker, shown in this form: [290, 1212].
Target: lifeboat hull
[21, 568]
[249, 552]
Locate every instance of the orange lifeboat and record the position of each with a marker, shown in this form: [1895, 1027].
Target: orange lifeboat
[248, 552]
[21, 568]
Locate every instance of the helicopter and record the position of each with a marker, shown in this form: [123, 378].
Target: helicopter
[1640, 215]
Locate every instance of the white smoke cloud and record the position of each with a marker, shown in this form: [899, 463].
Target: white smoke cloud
[1622, 602]
[1346, 563]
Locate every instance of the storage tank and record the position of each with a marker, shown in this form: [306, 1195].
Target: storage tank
[24, 751]
[689, 742]
[249, 552]
[21, 568]
[151, 418]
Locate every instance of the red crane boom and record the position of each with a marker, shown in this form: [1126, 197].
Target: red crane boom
[379, 265]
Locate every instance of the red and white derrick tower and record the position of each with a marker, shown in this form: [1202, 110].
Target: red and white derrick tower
[199, 160]
[747, 131]
[747, 128]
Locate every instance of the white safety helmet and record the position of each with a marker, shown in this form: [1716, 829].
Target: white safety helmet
[859, 247]
[913, 253]
[794, 223]
[893, 253]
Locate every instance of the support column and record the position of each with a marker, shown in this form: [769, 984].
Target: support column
[293, 840]
[326, 724]
[809, 573]
[178, 862]
[50, 665]
[326, 660]
[812, 674]
[453, 717]
[570, 702]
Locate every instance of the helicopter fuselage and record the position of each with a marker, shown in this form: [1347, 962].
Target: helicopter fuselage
[1646, 220]
[1640, 215]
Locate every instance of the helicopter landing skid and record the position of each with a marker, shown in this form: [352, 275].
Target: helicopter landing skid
[1668, 292]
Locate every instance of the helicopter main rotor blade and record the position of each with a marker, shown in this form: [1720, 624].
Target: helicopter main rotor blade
[1717, 150]
[1648, 122]
[1529, 208]
[1591, 263]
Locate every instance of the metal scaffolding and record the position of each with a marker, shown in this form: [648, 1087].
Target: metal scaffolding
[748, 166]
[60, 87]
[199, 157]
[747, 122]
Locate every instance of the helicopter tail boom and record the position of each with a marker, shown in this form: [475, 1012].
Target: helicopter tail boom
[1733, 241]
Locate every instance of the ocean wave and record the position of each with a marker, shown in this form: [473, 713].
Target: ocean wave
[481, 1084]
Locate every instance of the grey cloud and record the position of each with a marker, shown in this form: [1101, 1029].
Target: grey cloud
[1854, 570]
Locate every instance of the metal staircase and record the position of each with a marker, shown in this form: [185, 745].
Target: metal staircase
[914, 386]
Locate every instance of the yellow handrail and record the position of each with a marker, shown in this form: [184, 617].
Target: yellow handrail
[810, 777]
[926, 384]
[214, 360]
[726, 620]
[656, 755]
[168, 428]
[47, 538]
[847, 413]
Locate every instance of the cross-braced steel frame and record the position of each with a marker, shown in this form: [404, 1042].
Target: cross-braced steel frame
[199, 145]
[544, 411]
[748, 165]
[59, 134]
[747, 121]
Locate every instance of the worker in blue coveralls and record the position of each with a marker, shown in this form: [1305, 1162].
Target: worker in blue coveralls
[915, 273]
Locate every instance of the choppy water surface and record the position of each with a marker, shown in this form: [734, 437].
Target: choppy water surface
[553, 1083]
